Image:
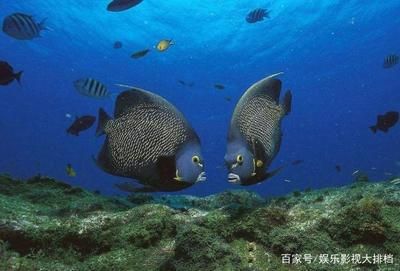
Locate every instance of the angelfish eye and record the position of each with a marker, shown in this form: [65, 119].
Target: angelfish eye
[196, 159]
[239, 159]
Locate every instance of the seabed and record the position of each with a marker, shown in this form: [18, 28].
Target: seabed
[50, 225]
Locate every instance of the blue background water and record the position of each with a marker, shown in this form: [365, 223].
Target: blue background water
[331, 52]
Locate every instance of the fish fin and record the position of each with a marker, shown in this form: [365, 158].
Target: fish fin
[269, 86]
[287, 102]
[171, 42]
[166, 168]
[103, 119]
[18, 77]
[43, 26]
[132, 98]
[374, 129]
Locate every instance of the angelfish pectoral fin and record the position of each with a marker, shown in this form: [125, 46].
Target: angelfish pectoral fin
[177, 177]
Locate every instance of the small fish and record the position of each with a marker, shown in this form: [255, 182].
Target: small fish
[356, 172]
[390, 61]
[121, 5]
[68, 115]
[297, 162]
[228, 99]
[338, 168]
[81, 124]
[388, 174]
[7, 74]
[288, 181]
[385, 122]
[373, 168]
[70, 171]
[219, 86]
[257, 15]
[91, 88]
[163, 45]
[22, 26]
[140, 54]
[183, 83]
[117, 45]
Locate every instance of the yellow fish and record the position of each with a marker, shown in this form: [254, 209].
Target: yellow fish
[70, 171]
[163, 45]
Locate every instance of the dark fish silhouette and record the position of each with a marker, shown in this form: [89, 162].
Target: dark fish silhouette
[257, 15]
[81, 124]
[219, 86]
[7, 75]
[338, 168]
[385, 122]
[117, 45]
[121, 5]
[183, 83]
[390, 61]
[297, 162]
[228, 99]
[140, 54]
[22, 26]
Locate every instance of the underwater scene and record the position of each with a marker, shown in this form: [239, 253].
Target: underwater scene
[199, 135]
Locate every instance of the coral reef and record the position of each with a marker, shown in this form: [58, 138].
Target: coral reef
[50, 225]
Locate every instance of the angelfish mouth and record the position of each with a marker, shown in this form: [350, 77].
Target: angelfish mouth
[202, 177]
[233, 178]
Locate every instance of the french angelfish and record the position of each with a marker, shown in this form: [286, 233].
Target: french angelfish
[254, 137]
[150, 140]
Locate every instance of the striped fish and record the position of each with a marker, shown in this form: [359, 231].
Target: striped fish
[390, 61]
[257, 15]
[22, 26]
[91, 87]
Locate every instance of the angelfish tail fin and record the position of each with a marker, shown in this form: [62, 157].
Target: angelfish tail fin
[104, 118]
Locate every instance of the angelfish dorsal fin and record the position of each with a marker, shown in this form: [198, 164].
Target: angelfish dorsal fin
[269, 86]
[135, 97]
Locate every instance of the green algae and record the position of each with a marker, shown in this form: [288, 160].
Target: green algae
[50, 225]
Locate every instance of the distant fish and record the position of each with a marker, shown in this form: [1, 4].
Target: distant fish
[390, 61]
[22, 26]
[81, 124]
[356, 172]
[219, 86]
[338, 168]
[287, 181]
[385, 122]
[140, 54]
[121, 5]
[163, 45]
[68, 115]
[117, 45]
[91, 88]
[70, 171]
[183, 83]
[297, 162]
[257, 15]
[7, 74]
[228, 99]
[388, 174]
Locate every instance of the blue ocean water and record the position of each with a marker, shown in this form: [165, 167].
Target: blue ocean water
[330, 51]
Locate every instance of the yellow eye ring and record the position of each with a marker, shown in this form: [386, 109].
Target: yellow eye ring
[196, 159]
[239, 159]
